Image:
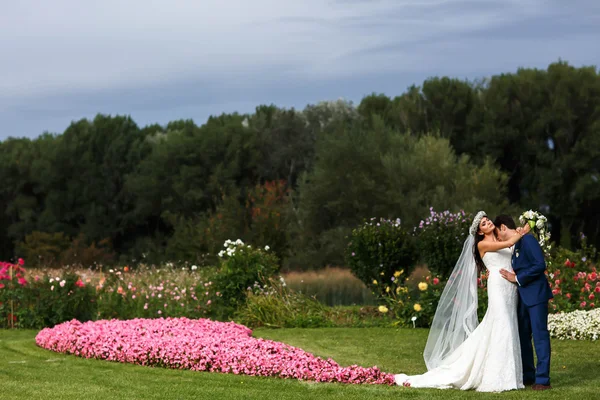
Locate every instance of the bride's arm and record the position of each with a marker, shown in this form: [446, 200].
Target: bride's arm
[485, 246]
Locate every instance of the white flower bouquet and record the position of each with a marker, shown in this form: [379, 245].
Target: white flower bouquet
[538, 223]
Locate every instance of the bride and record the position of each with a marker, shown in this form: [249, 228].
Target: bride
[459, 353]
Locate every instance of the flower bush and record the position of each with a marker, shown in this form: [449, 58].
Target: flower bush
[199, 345]
[378, 249]
[440, 239]
[42, 301]
[573, 278]
[124, 293]
[242, 266]
[576, 325]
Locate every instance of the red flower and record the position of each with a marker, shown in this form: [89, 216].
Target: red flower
[21, 261]
[79, 283]
[126, 268]
[583, 304]
[557, 282]
[567, 263]
[22, 281]
[592, 305]
[592, 276]
[436, 281]
[556, 291]
[2, 286]
[591, 296]
[568, 295]
[597, 289]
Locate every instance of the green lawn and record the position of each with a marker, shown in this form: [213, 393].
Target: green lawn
[28, 372]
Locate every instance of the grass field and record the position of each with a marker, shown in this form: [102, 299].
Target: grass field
[28, 372]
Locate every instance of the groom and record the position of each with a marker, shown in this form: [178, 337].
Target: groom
[534, 293]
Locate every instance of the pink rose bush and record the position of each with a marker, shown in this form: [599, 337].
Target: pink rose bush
[199, 345]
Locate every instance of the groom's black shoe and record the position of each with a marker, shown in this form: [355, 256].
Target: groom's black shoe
[528, 383]
[541, 387]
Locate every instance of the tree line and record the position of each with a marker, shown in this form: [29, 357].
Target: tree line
[108, 190]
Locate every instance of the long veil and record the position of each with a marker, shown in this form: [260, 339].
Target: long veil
[456, 314]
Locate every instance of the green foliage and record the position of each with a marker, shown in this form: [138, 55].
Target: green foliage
[44, 301]
[440, 240]
[56, 301]
[378, 249]
[574, 278]
[416, 306]
[91, 256]
[242, 267]
[273, 305]
[521, 140]
[43, 249]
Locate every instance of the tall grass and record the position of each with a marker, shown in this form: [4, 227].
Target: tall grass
[332, 286]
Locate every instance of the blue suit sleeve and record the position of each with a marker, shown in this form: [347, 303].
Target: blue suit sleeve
[535, 259]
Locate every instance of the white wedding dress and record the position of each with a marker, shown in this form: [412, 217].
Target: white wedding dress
[489, 360]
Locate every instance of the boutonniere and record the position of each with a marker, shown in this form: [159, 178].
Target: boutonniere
[517, 253]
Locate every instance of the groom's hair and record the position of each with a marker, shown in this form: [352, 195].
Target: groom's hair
[505, 220]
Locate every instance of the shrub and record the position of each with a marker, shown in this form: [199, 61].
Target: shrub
[274, 305]
[377, 250]
[42, 301]
[241, 267]
[85, 255]
[440, 240]
[573, 278]
[43, 249]
[416, 306]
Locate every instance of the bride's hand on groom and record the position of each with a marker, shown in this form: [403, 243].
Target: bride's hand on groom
[524, 230]
[509, 276]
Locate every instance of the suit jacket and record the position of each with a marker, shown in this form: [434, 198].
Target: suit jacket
[529, 266]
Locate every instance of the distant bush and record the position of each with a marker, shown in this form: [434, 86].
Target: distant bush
[242, 266]
[378, 249]
[43, 249]
[440, 240]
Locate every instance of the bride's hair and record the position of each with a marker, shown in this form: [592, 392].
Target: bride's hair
[478, 260]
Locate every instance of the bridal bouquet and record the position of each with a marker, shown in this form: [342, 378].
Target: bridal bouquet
[538, 223]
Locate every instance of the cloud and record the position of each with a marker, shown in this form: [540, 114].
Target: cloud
[67, 59]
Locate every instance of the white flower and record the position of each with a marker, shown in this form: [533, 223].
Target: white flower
[62, 283]
[221, 253]
[267, 248]
[194, 267]
[110, 270]
[51, 280]
[576, 325]
[52, 287]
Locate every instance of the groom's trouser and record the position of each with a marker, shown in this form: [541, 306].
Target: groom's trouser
[533, 322]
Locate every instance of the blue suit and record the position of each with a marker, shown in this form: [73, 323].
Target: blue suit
[534, 293]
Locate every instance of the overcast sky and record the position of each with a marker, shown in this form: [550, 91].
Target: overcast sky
[160, 60]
